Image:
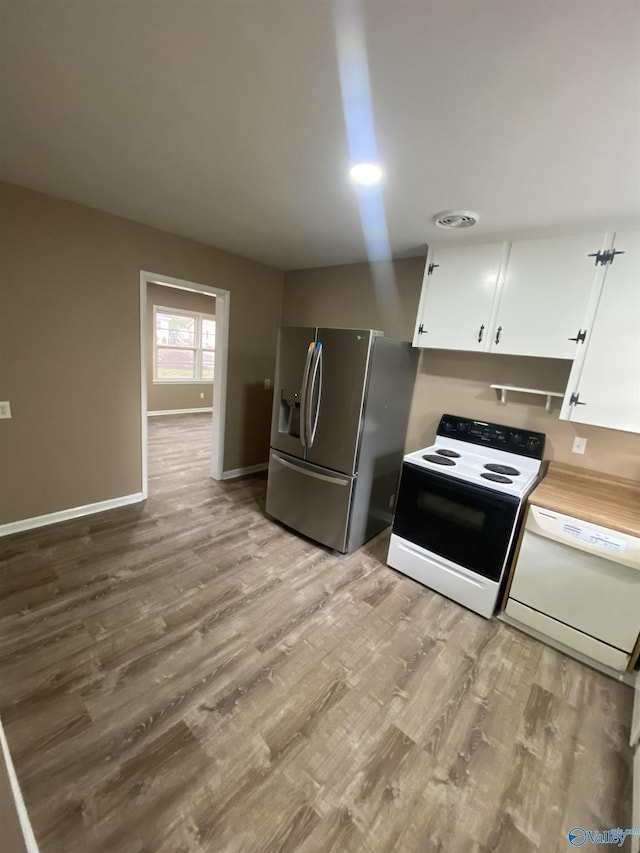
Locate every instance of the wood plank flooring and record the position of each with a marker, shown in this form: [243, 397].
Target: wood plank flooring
[186, 675]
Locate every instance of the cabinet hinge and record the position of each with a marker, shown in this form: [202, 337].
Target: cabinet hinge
[421, 329]
[604, 258]
[431, 268]
[574, 400]
[580, 337]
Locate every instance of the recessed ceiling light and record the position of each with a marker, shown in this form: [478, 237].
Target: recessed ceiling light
[366, 173]
[456, 219]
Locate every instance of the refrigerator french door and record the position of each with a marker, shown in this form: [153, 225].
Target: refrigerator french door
[341, 405]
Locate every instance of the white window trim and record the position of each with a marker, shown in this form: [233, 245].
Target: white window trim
[198, 316]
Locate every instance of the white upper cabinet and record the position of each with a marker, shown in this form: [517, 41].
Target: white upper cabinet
[458, 296]
[528, 298]
[604, 385]
[544, 296]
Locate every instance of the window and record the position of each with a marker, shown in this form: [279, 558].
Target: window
[184, 345]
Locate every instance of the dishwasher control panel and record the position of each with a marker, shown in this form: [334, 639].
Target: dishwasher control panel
[597, 540]
[585, 535]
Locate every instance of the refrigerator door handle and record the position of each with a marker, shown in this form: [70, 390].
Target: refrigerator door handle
[337, 481]
[316, 376]
[304, 395]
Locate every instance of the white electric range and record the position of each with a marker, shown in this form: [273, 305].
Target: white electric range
[460, 506]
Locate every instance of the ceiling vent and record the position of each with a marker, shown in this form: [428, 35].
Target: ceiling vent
[456, 219]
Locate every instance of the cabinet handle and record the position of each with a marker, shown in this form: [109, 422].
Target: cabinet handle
[480, 333]
[580, 337]
[498, 333]
[574, 400]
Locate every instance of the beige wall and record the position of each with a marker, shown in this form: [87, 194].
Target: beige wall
[70, 339]
[357, 296]
[453, 382]
[160, 396]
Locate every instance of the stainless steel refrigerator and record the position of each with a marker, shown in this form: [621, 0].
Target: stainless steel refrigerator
[340, 412]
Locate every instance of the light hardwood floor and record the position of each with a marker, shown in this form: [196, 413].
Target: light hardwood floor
[187, 675]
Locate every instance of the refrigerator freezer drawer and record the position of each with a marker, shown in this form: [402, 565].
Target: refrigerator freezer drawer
[309, 499]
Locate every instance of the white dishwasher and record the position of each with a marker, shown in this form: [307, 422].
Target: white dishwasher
[577, 583]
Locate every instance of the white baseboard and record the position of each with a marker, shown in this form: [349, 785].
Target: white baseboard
[68, 514]
[241, 472]
[23, 817]
[180, 412]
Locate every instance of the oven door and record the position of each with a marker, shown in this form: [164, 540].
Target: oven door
[467, 524]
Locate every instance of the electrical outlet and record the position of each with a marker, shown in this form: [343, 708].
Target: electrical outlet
[579, 445]
[202, 395]
[5, 409]
[267, 384]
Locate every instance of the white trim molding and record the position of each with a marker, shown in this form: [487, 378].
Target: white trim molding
[68, 514]
[223, 298]
[180, 412]
[242, 472]
[23, 817]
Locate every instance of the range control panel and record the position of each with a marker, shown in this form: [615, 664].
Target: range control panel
[497, 436]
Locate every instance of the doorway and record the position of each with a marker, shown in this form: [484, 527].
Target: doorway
[220, 381]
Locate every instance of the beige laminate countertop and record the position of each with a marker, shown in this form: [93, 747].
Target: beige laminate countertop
[590, 496]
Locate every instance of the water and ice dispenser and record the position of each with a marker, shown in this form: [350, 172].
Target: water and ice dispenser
[289, 421]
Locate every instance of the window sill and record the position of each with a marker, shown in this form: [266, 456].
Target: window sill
[207, 382]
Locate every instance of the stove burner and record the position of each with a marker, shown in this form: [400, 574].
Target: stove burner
[502, 469]
[450, 453]
[497, 478]
[439, 460]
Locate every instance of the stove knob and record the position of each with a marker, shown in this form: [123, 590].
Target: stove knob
[462, 426]
[532, 443]
[516, 438]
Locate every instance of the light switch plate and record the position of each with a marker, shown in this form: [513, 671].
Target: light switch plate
[5, 409]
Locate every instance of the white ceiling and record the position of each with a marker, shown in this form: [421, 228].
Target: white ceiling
[222, 120]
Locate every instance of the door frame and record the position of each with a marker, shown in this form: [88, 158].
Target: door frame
[223, 298]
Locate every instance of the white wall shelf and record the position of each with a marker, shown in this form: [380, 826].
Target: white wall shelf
[503, 389]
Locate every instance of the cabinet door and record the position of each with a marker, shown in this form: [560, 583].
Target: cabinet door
[544, 296]
[607, 380]
[458, 297]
